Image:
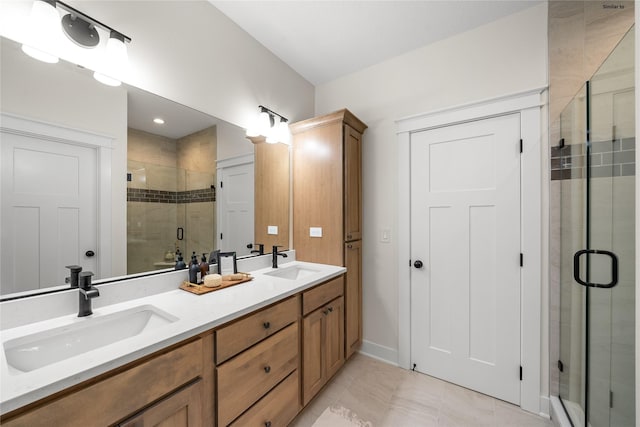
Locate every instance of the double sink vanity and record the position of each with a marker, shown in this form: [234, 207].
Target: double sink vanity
[251, 354]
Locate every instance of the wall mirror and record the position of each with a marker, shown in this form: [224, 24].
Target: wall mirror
[194, 183]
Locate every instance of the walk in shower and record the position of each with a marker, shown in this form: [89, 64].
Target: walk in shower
[593, 169]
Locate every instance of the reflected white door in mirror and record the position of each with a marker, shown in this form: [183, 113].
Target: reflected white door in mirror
[236, 206]
[50, 195]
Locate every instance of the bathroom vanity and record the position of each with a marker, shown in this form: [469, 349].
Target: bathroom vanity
[252, 354]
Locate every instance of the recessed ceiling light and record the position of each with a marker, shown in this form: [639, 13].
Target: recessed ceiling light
[158, 121]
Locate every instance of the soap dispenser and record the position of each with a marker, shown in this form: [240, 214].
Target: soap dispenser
[204, 266]
[194, 269]
[180, 265]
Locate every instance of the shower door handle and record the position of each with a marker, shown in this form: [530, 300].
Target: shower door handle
[614, 268]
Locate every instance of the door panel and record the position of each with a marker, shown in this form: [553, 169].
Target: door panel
[236, 210]
[465, 228]
[49, 211]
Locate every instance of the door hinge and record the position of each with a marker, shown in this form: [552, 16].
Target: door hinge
[520, 373]
[521, 259]
[221, 184]
[220, 236]
[409, 263]
[560, 366]
[610, 399]
[521, 146]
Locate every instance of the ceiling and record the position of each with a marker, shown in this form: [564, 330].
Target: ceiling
[323, 40]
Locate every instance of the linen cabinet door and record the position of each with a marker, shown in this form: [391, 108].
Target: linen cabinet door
[313, 366]
[334, 336]
[353, 297]
[352, 184]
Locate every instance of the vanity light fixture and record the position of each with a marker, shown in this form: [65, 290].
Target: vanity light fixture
[82, 30]
[270, 127]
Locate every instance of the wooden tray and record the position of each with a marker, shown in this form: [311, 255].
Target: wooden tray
[201, 289]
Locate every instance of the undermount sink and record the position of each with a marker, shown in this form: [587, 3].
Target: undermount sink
[292, 273]
[53, 345]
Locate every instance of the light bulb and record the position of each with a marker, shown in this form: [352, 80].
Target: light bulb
[284, 135]
[43, 31]
[264, 123]
[117, 50]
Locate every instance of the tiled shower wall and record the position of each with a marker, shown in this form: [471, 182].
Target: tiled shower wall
[581, 36]
[171, 185]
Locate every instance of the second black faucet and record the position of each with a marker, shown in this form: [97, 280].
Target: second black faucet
[274, 256]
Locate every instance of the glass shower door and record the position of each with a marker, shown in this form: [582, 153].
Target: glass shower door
[597, 314]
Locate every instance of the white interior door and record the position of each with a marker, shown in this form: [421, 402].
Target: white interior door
[49, 211]
[465, 229]
[235, 190]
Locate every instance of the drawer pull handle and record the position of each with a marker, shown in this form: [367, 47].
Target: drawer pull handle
[267, 369]
[267, 424]
[266, 325]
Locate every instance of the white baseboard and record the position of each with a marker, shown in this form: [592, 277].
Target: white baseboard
[545, 406]
[384, 354]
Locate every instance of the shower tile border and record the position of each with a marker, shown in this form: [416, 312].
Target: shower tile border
[158, 196]
[608, 159]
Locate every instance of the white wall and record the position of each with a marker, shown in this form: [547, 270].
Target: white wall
[507, 56]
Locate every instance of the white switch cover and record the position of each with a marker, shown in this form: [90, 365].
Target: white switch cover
[385, 236]
[272, 229]
[315, 231]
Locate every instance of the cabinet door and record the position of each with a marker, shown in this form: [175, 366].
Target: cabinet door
[313, 370]
[353, 297]
[181, 409]
[334, 336]
[352, 184]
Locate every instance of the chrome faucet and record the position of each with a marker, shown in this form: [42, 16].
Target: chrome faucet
[86, 294]
[275, 254]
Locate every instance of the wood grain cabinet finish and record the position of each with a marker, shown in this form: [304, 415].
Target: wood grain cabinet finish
[180, 409]
[322, 347]
[112, 397]
[278, 408]
[243, 333]
[327, 193]
[246, 378]
[353, 297]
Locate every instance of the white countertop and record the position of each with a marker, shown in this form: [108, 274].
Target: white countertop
[195, 313]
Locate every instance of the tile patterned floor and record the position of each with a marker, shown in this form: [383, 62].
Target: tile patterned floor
[388, 396]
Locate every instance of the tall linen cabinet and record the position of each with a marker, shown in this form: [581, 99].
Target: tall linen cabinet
[327, 204]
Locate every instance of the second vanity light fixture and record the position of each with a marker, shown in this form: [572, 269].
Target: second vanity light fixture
[271, 126]
[80, 28]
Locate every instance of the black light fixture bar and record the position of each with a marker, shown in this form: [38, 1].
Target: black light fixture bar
[89, 19]
[264, 109]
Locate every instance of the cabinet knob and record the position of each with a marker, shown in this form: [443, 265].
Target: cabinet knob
[348, 236]
[266, 325]
[267, 369]
[325, 312]
[330, 309]
[350, 246]
[267, 424]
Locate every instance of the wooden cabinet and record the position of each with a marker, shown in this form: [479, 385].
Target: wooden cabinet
[180, 409]
[112, 397]
[266, 350]
[353, 297]
[327, 193]
[322, 337]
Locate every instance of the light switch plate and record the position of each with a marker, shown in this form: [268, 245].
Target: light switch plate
[272, 229]
[315, 231]
[385, 235]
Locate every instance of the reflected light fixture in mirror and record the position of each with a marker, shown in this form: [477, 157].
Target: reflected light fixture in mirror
[269, 127]
[43, 31]
[43, 41]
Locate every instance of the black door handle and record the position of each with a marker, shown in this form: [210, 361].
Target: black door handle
[89, 254]
[418, 264]
[614, 268]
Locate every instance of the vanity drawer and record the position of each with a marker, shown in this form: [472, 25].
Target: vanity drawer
[243, 333]
[277, 408]
[243, 380]
[322, 294]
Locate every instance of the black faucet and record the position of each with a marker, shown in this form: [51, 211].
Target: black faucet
[274, 256]
[73, 277]
[86, 294]
[260, 250]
